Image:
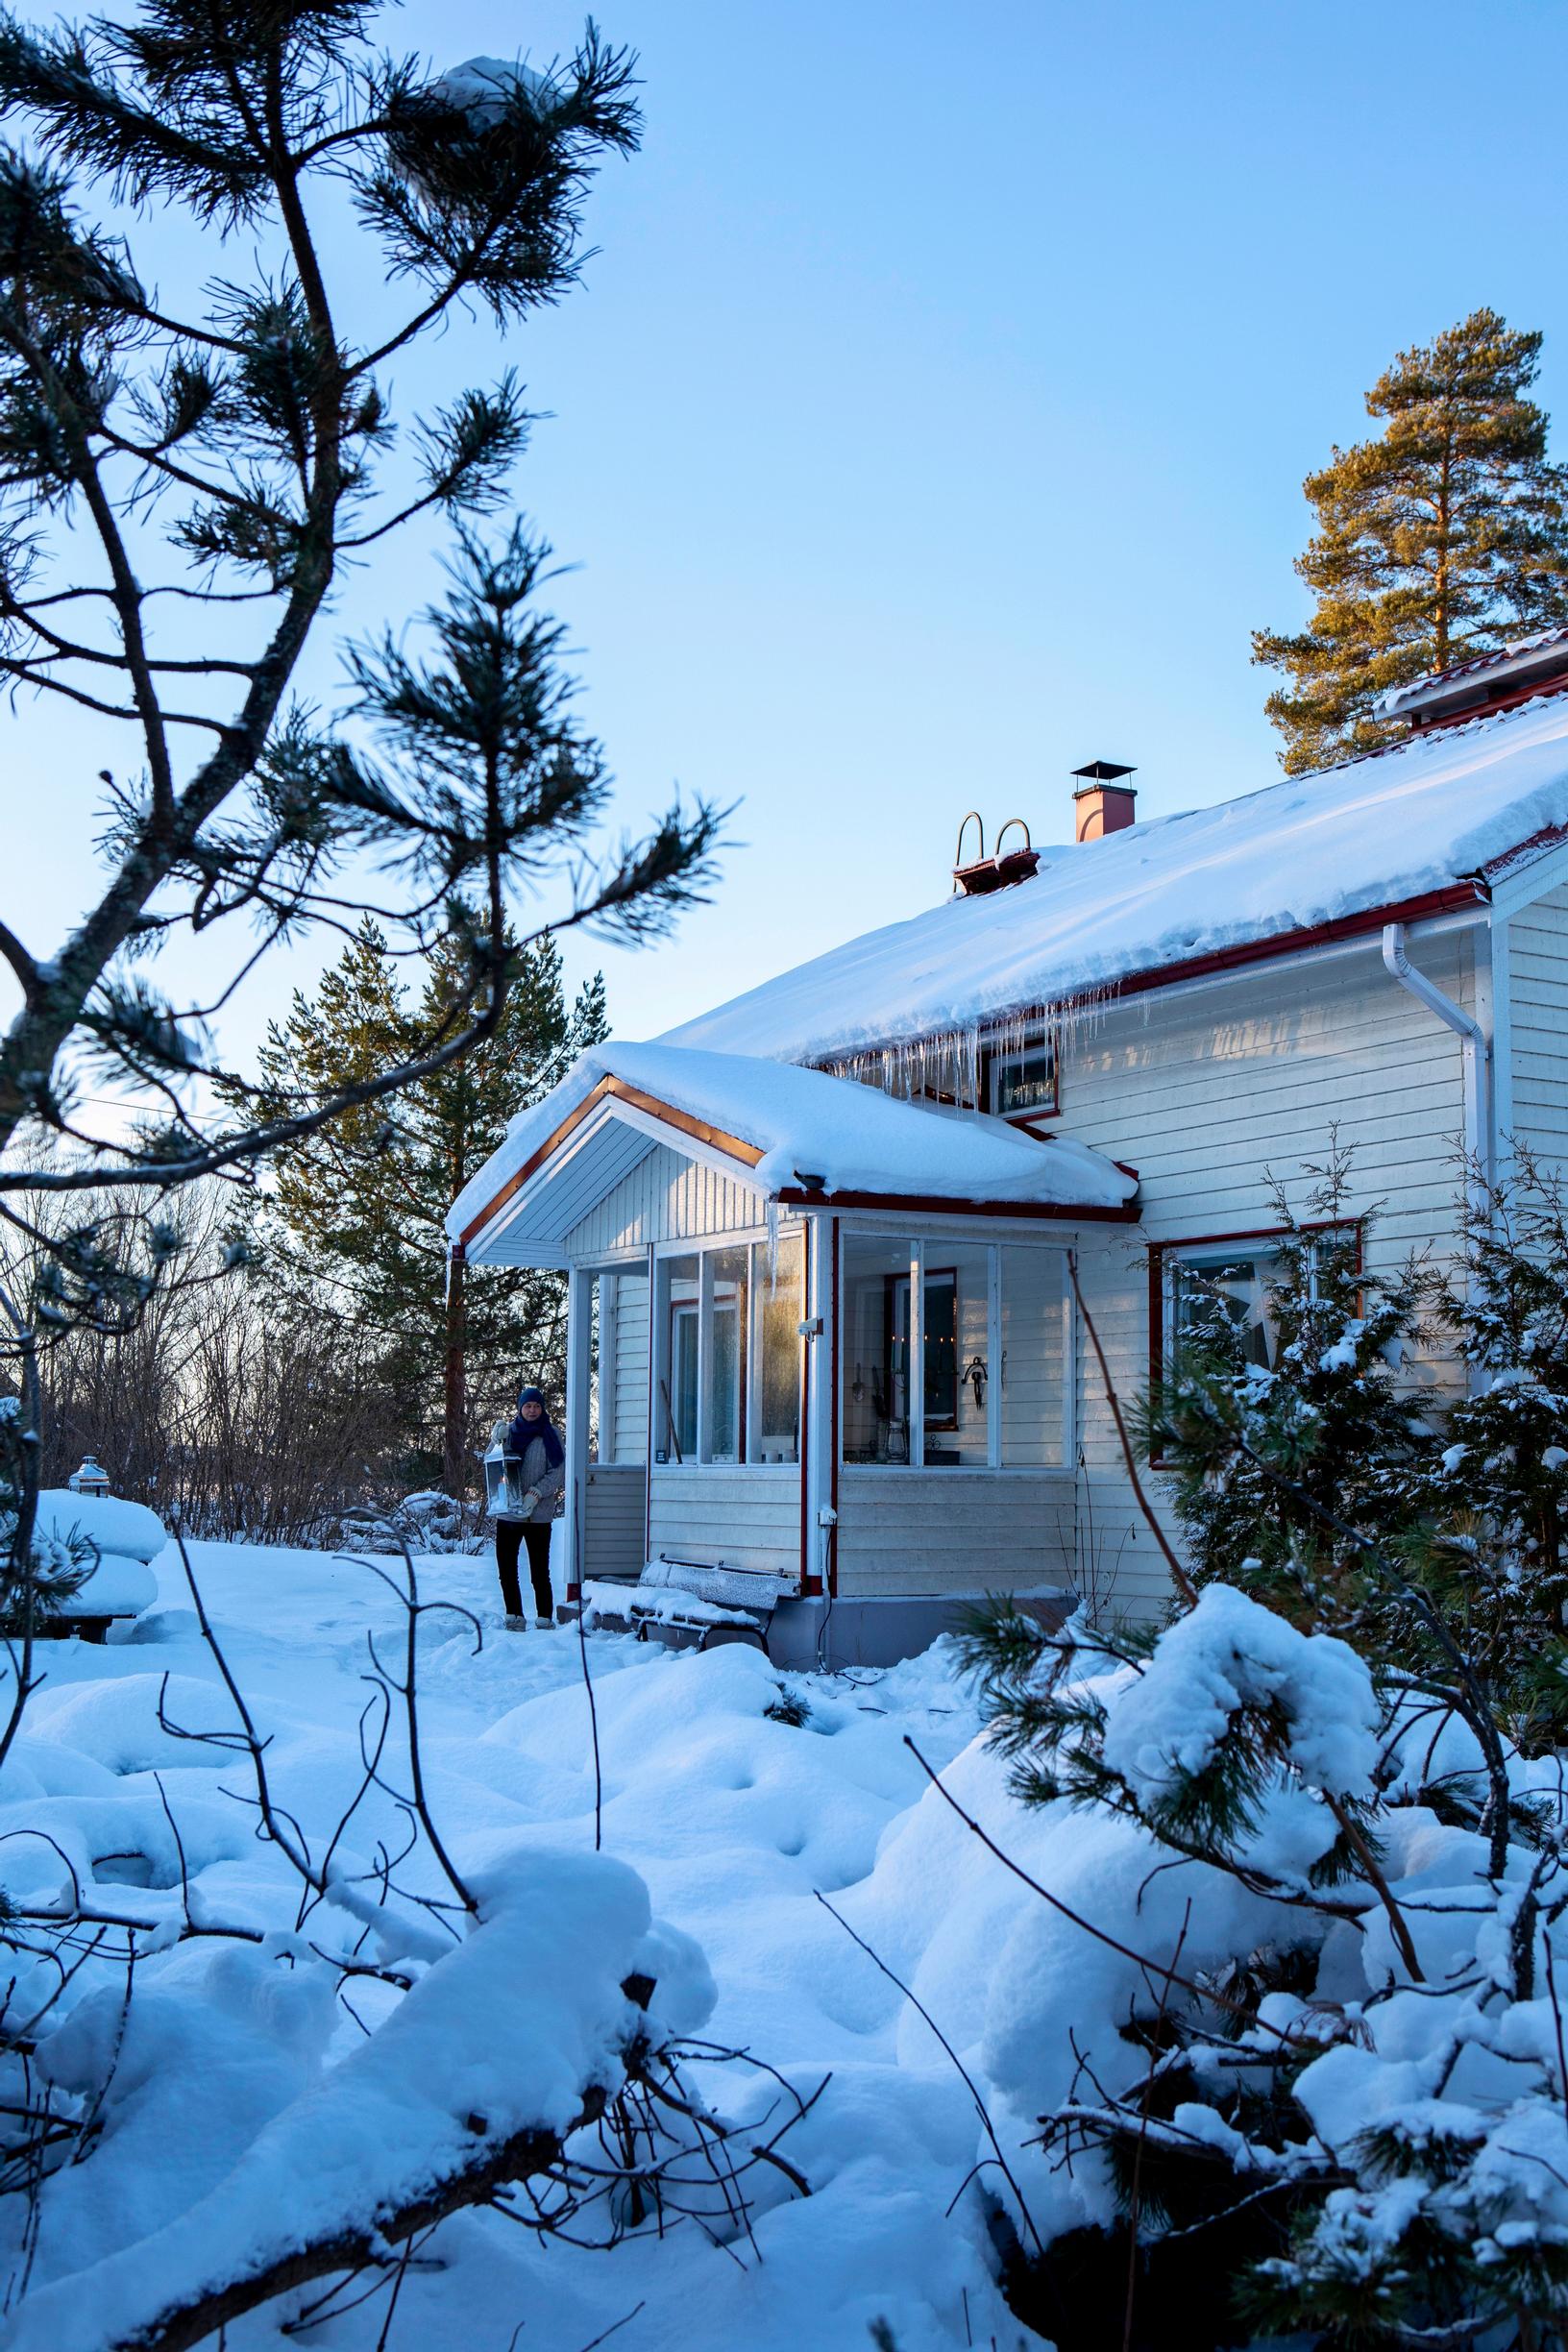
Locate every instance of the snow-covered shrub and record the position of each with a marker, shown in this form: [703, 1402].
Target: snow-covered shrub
[1280, 1477]
[1285, 2028]
[1330, 1412]
[1320, 2080]
[428, 1521]
[1496, 1484]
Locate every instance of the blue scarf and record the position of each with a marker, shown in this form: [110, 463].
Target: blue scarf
[522, 1433]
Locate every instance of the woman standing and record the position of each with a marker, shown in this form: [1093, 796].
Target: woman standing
[541, 1476]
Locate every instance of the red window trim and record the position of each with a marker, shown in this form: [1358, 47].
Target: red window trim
[1160, 1251]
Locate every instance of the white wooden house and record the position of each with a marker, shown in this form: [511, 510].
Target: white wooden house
[816, 1241]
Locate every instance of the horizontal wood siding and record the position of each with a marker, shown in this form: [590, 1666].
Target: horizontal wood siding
[1538, 993]
[614, 1501]
[953, 1532]
[1205, 1093]
[665, 1198]
[744, 1518]
[629, 1432]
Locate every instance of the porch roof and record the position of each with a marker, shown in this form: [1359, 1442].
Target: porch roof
[797, 1135]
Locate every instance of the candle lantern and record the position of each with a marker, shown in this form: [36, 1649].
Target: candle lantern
[502, 1483]
[92, 1479]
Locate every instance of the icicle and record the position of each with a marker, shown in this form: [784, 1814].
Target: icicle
[770, 1218]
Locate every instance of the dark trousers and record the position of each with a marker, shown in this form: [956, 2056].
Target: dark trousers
[511, 1536]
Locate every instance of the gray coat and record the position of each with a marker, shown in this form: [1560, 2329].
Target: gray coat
[549, 1484]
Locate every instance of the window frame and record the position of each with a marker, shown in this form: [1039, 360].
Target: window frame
[1163, 1256]
[994, 1057]
[668, 1313]
[912, 1284]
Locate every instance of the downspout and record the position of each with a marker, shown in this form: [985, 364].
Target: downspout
[1476, 1053]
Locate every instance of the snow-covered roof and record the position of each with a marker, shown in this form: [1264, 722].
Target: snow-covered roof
[1426, 813]
[791, 1129]
[1522, 660]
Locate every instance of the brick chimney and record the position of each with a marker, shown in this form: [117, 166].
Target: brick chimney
[1102, 802]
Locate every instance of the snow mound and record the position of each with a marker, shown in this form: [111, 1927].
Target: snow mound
[105, 1521]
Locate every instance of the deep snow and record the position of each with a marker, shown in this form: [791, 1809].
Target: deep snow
[734, 1820]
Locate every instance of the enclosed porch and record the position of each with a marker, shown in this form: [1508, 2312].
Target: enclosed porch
[816, 1336]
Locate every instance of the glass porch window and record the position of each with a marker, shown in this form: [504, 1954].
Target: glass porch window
[679, 1313]
[955, 1293]
[728, 1354]
[984, 1325]
[778, 1304]
[874, 1347]
[724, 1307]
[1032, 1358]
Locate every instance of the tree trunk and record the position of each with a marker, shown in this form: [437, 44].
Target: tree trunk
[454, 1426]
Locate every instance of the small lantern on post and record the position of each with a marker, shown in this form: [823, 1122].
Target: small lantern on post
[92, 1479]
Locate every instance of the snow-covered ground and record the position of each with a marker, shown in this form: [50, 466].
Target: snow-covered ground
[735, 1820]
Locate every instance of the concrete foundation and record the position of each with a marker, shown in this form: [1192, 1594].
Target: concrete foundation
[828, 1635]
[822, 1635]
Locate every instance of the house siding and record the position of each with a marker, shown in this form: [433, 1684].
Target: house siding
[628, 1430]
[1537, 948]
[665, 1198]
[737, 1518]
[616, 1498]
[953, 1532]
[1205, 1093]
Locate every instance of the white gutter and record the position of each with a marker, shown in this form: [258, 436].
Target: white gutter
[1476, 1052]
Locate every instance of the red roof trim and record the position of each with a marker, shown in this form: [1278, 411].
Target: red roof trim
[682, 1121]
[942, 1204]
[1455, 898]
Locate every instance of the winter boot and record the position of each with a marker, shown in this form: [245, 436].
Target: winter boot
[517, 1625]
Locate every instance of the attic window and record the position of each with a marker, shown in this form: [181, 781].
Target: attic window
[1022, 1081]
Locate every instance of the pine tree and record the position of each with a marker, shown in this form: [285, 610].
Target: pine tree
[1436, 541]
[190, 463]
[356, 1211]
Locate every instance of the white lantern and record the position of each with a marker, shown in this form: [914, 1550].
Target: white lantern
[502, 1483]
[90, 1479]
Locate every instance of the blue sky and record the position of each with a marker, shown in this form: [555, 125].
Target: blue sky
[934, 415]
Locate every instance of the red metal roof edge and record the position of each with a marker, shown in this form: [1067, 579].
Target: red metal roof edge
[1454, 899]
[1536, 644]
[950, 1204]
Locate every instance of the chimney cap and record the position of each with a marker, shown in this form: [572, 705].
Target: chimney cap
[1098, 771]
